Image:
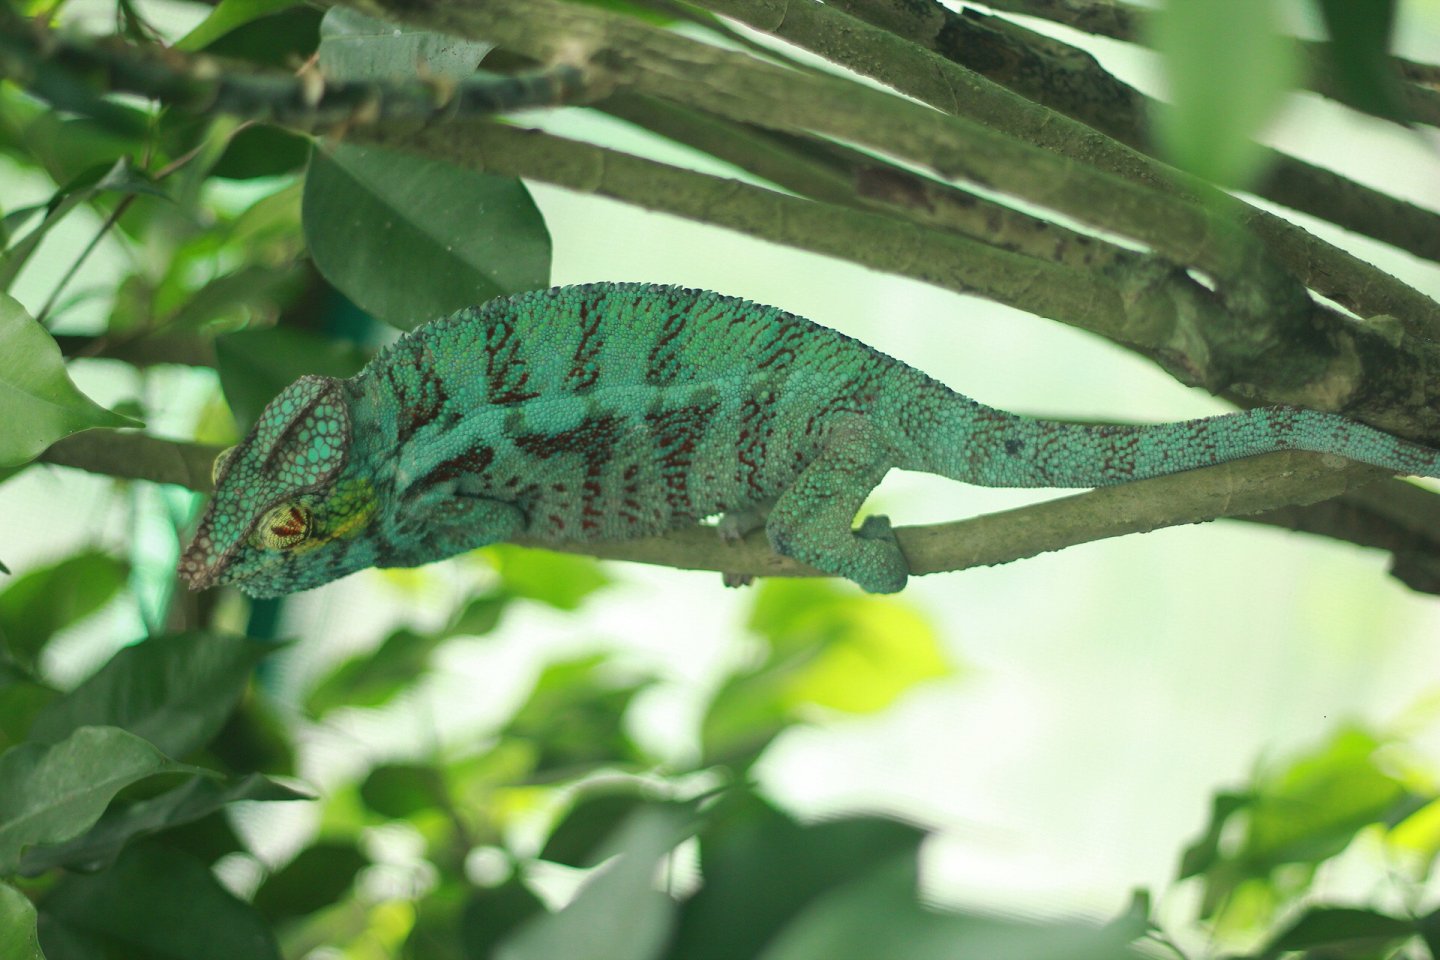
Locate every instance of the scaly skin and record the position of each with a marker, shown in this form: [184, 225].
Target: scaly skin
[611, 411]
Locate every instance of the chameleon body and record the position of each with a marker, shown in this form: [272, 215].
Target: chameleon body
[615, 410]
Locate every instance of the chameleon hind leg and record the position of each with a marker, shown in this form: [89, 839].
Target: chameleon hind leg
[811, 520]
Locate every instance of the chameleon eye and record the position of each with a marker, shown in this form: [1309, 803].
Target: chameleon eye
[218, 467]
[283, 527]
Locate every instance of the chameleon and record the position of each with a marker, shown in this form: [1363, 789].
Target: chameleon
[609, 411]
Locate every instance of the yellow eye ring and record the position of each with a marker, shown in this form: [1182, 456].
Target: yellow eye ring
[218, 467]
[284, 526]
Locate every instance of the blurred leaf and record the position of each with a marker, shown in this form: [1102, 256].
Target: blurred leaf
[255, 737]
[1359, 50]
[479, 617]
[400, 790]
[17, 926]
[827, 647]
[1338, 928]
[356, 47]
[195, 799]
[491, 914]
[595, 816]
[255, 365]
[21, 697]
[761, 868]
[1204, 853]
[228, 15]
[879, 915]
[618, 914]
[559, 580]
[409, 239]
[175, 691]
[40, 402]
[1229, 67]
[65, 146]
[159, 903]
[318, 877]
[370, 680]
[41, 603]
[49, 794]
[575, 715]
[247, 290]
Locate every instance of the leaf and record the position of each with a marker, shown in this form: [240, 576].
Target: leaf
[400, 790]
[42, 602]
[879, 915]
[49, 794]
[761, 868]
[197, 798]
[491, 914]
[17, 926]
[559, 580]
[318, 877]
[593, 818]
[356, 47]
[575, 716]
[160, 903]
[618, 914]
[1228, 66]
[39, 401]
[175, 691]
[255, 365]
[226, 16]
[410, 239]
[371, 680]
[1333, 926]
[21, 698]
[1358, 52]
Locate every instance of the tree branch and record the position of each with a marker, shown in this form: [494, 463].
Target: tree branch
[1071, 81]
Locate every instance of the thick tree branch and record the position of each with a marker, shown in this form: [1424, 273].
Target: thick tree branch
[50, 64]
[1126, 21]
[1073, 82]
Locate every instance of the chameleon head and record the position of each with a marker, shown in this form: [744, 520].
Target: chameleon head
[285, 515]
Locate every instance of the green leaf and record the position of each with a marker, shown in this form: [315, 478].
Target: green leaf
[879, 915]
[160, 903]
[1358, 51]
[559, 580]
[255, 365]
[17, 926]
[356, 47]
[318, 877]
[197, 798]
[21, 698]
[1337, 927]
[593, 818]
[38, 399]
[490, 915]
[43, 602]
[49, 794]
[226, 16]
[575, 716]
[175, 691]
[761, 868]
[400, 790]
[1228, 66]
[410, 239]
[371, 680]
[618, 914]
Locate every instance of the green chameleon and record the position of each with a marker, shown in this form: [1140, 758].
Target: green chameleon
[619, 410]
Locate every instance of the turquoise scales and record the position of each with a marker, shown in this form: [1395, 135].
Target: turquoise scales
[611, 411]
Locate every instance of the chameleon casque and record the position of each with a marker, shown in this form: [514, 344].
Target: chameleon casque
[618, 410]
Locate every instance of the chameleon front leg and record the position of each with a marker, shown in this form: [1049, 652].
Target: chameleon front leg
[811, 520]
[442, 522]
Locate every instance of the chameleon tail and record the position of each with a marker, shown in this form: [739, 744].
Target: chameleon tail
[998, 449]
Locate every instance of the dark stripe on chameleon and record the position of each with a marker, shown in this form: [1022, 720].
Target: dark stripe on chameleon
[472, 462]
[674, 434]
[585, 363]
[505, 373]
[594, 441]
[752, 441]
[662, 365]
[421, 400]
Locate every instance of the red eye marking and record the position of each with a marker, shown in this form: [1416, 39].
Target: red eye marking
[291, 524]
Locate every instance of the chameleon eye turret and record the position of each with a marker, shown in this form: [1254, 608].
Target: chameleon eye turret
[620, 410]
[285, 526]
[218, 467]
